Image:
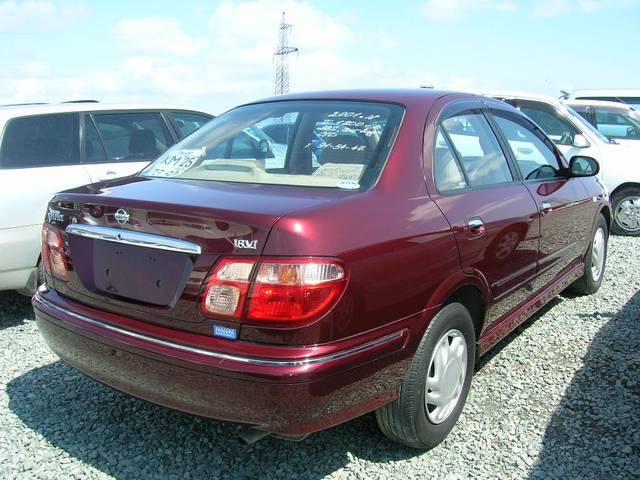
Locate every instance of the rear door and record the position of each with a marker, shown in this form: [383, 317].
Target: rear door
[492, 214]
[564, 205]
[121, 143]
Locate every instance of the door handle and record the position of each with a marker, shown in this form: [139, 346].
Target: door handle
[476, 227]
[545, 207]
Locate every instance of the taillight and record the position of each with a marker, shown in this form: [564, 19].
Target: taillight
[53, 257]
[291, 290]
[226, 290]
[284, 290]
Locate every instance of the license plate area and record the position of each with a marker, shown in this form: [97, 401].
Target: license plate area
[143, 274]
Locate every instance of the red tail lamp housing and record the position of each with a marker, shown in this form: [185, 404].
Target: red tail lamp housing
[276, 290]
[53, 257]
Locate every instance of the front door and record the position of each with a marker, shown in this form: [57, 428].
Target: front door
[563, 203]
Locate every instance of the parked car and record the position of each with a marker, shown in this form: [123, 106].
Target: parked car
[573, 135]
[614, 120]
[47, 148]
[628, 96]
[295, 298]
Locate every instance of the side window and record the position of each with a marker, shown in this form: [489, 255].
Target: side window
[478, 149]
[186, 122]
[615, 124]
[93, 149]
[41, 141]
[446, 171]
[584, 112]
[551, 122]
[535, 159]
[133, 136]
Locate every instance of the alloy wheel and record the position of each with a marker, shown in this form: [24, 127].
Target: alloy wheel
[627, 214]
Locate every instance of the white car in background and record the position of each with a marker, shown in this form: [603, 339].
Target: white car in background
[46, 148]
[615, 120]
[619, 163]
[621, 95]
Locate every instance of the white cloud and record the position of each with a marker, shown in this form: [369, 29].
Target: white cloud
[447, 10]
[231, 64]
[38, 15]
[157, 36]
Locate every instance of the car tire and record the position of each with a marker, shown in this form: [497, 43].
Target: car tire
[410, 419]
[595, 260]
[625, 205]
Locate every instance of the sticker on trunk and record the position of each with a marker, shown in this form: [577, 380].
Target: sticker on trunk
[54, 215]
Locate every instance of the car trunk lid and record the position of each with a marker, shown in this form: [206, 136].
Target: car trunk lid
[143, 247]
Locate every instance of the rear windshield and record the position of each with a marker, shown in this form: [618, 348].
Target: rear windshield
[332, 144]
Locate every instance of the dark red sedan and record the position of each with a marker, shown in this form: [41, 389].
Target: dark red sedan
[304, 260]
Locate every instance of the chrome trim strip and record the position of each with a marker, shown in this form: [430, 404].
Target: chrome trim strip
[129, 237]
[219, 355]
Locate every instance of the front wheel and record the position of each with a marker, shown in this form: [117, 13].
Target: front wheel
[626, 212]
[436, 384]
[595, 261]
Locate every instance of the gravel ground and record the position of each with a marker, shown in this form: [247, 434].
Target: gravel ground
[559, 398]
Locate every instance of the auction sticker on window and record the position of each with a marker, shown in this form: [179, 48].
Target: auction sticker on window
[175, 163]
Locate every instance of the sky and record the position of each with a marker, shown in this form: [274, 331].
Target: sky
[213, 55]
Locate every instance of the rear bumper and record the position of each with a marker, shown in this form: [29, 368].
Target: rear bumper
[285, 390]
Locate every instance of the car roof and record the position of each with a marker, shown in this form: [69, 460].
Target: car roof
[406, 96]
[598, 103]
[606, 92]
[9, 111]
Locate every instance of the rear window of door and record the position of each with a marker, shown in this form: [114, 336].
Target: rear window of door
[133, 137]
[187, 122]
[535, 158]
[477, 150]
[41, 141]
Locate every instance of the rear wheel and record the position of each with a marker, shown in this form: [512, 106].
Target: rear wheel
[595, 261]
[437, 382]
[626, 212]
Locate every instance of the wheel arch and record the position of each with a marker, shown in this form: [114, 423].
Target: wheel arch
[470, 290]
[622, 186]
[606, 213]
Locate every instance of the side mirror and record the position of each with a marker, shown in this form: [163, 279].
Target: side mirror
[580, 141]
[263, 146]
[582, 166]
[264, 149]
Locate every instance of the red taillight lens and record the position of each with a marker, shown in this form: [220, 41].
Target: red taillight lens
[53, 257]
[226, 290]
[293, 290]
[284, 290]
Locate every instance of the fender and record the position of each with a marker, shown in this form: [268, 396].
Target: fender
[450, 285]
[456, 281]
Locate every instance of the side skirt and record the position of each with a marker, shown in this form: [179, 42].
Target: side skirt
[500, 330]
